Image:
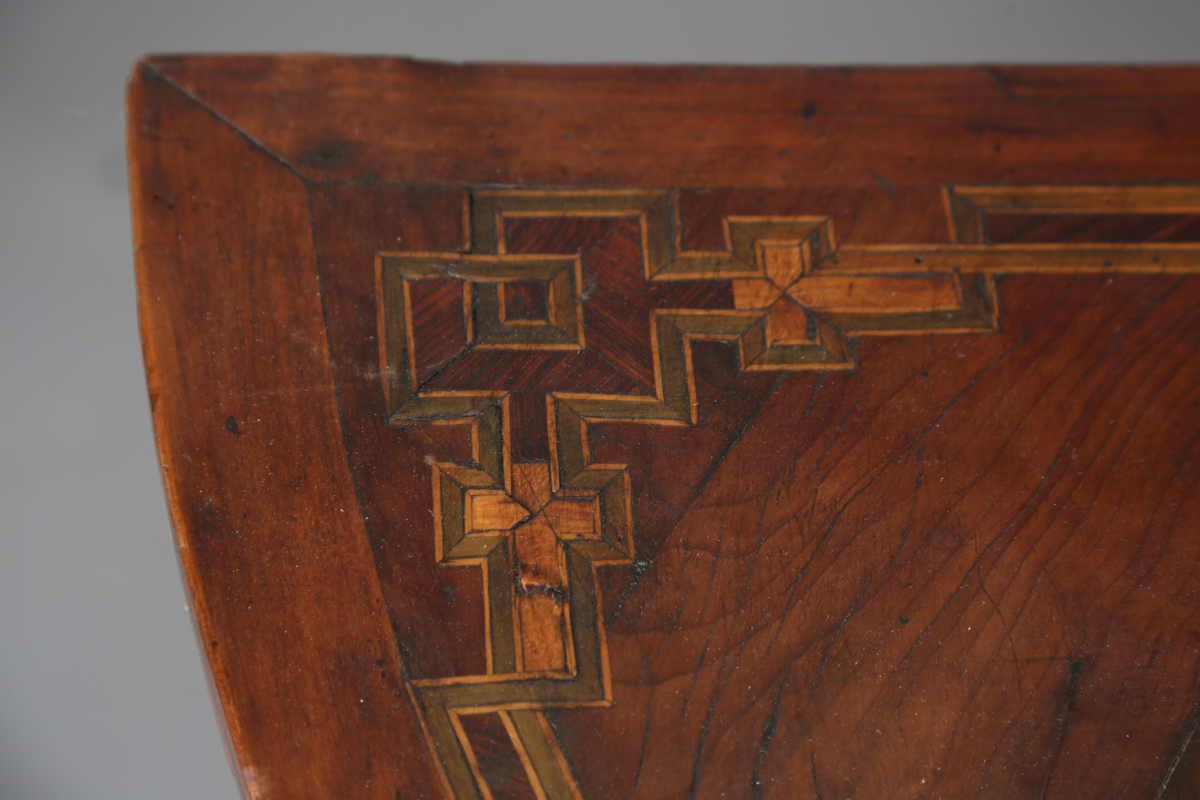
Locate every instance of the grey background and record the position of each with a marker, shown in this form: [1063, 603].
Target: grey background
[101, 690]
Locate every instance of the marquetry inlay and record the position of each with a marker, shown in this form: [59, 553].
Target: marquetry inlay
[461, 331]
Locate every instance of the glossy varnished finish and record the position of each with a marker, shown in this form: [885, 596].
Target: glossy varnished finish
[678, 432]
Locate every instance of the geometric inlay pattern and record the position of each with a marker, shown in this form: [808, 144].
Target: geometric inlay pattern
[461, 332]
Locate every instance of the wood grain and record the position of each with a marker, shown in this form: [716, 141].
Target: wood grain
[680, 557]
[258, 482]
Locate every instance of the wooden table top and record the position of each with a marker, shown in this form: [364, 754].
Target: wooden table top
[680, 432]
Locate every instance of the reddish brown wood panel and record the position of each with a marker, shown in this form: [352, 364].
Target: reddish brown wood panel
[669, 433]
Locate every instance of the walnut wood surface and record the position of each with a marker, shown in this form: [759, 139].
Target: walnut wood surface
[605, 432]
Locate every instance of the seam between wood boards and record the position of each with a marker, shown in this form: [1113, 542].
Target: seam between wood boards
[228, 122]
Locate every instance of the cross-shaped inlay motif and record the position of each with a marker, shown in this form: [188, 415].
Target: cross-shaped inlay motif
[529, 349]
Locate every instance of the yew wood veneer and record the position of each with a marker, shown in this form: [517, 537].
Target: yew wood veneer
[681, 432]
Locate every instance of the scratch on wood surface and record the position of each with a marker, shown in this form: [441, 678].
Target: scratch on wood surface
[1189, 732]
